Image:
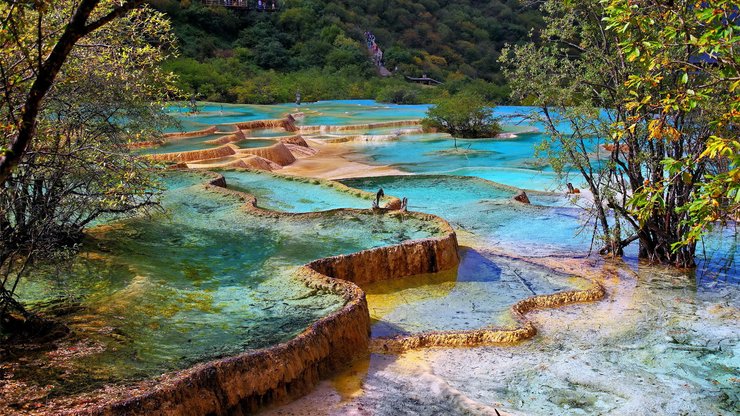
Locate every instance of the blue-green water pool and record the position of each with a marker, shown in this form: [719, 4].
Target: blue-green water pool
[510, 162]
[293, 194]
[202, 279]
[475, 295]
[488, 212]
[205, 278]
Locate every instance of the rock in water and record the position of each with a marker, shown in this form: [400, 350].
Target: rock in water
[522, 197]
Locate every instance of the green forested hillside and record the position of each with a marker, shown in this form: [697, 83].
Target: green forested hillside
[318, 47]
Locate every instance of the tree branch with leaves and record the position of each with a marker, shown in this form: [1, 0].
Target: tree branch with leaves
[18, 15]
[73, 164]
[629, 104]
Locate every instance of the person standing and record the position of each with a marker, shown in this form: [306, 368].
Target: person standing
[193, 104]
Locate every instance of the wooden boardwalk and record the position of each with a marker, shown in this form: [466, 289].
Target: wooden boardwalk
[424, 80]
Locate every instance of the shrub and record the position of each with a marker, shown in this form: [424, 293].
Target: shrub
[464, 115]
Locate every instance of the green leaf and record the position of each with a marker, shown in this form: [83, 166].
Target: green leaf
[633, 54]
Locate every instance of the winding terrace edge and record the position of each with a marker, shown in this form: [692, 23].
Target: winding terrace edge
[253, 380]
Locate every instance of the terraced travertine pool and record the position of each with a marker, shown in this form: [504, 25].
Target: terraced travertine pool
[203, 279]
[292, 194]
[201, 143]
[663, 343]
[486, 211]
[206, 278]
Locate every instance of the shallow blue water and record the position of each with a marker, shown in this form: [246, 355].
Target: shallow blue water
[200, 279]
[554, 228]
[182, 145]
[358, 112]
[199, 143]
[477, 294]
[284, 193]
[511, 162]
[488, 212]
[321, 112]
[220, 114]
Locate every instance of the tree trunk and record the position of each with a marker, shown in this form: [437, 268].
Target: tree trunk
[656, 248]
[47, 71]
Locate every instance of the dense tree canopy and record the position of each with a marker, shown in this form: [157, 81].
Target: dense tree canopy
[638, 99]
[107, 91]
[463, 115]
[447, 40]
[687, 76]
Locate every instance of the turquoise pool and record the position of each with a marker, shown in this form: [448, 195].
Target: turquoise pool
[201, 279]
[292, 194]
[488, 212]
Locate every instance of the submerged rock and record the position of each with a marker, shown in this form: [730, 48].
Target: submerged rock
[522, 197]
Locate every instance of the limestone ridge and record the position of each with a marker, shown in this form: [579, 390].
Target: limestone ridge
[284, 152]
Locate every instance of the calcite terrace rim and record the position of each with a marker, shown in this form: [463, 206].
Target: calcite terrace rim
[483, 336]
[494, 335]
[392, 202]
[183, 391]
[190, 385]
[489, 182]
[223, 146]
[202, 389]
[328, 128]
